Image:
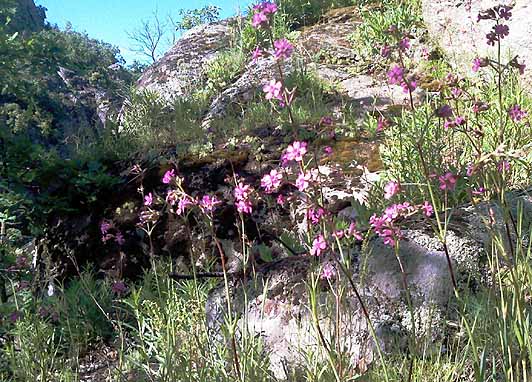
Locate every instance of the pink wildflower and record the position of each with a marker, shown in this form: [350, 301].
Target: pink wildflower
[395, 75]
[259, 19]
[503, 166]
[385, 51]
[302, 181]
[273, 90]
[391, 189]
[382, 123]
[256, 54]
[172, 196]
[408, 86]
[501, 30]
[339, 234]
[283, 49]
[209, 203]
[119, 287]
[377, 222]
[388, 238]
[319, 245]
[244, 206]
[168, 176]
[505, 12]
[295, 151]
[119, 238]
[477, 64]
[272, 181]
[353, 232]
[326, 121]
[456, 92]
[459, 121]
[404, 44]
[516, 113]
[444, 111]
[182, 205]
[105, 226]
[425, 54]
[448, 181]
[281, 200]
[241, 191]
[515, 64]
[315, 215]
[427, 209]
[269, 8]
[492, 38]
[136, 169]
[328, 271]
[148, 199]
[328, 150]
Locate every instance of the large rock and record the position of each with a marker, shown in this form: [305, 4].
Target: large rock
[453, 23]
[181, 68]
[275, 305]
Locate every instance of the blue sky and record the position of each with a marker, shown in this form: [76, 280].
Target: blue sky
[108, 20]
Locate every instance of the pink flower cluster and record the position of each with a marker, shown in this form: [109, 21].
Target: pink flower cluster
[319, 245]
[169, 176]
[208, 203]
[306, 178]
[386, 224]
[497, 14]
[448, 181]
[396, 76]
[294, 152]
[328, 271]
[350, 232]
[314, 215]
[282, 49]
[273, 90]
[242, 194]
[516, 113]
[109, 231]
[262, 13]
[272, 181]
[391, 189]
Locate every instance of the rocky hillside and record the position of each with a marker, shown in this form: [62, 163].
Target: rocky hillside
[27, 17]
[75, 84]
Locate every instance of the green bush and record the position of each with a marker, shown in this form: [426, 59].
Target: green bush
[299, 13]
[373, 32]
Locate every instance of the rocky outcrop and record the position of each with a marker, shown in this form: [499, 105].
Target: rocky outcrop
[181, 68]
[453, 24]
[27, 17]
[323, 48]
[274, 306]
[88, 106]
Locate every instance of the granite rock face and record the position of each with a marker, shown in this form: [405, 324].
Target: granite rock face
[181, 68]
[275, 305]
[453, 24]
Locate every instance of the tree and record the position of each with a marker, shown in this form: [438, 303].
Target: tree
[147, 38]
[155, 34]
[191, 18]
